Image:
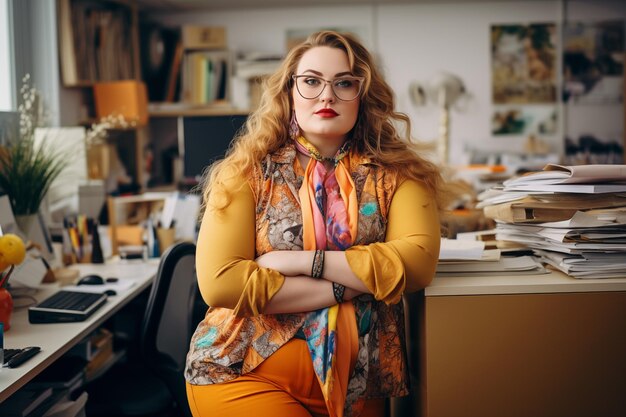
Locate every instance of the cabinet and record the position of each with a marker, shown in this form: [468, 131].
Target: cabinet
[532, 345]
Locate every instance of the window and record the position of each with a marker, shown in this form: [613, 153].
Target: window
[7, 101]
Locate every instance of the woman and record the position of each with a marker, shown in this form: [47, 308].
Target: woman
[317, 221]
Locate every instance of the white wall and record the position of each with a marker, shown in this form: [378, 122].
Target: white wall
[454, 38]
[414, 41]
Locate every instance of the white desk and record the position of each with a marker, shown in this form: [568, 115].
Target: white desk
[56, 339]
[526, 345]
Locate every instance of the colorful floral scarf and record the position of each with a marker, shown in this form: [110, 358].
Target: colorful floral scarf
[330, 218]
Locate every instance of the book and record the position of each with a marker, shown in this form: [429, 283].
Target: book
[173, 79]
[575, 174]
[24, 401]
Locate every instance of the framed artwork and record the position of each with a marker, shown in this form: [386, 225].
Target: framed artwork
[524, 120]
[593, 62]
[523, 63]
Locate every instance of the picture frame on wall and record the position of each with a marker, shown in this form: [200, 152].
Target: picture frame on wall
[523, 63]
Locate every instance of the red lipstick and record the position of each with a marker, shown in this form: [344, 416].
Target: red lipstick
[327, 113]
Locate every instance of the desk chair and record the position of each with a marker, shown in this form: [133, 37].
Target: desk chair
[156, 386]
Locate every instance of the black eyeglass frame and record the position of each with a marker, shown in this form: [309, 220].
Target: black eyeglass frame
[295, 77]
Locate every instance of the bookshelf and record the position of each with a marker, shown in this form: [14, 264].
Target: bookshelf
[190, 77]
[98, 41]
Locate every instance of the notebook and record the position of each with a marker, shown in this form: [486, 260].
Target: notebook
[66, 306]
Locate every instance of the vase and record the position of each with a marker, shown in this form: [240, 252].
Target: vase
[6, 308]
[26, 221]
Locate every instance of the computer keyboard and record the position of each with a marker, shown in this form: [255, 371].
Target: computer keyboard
[66, 306]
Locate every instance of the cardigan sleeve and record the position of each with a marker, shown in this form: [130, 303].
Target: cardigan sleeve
[228, 276]
[407, 260]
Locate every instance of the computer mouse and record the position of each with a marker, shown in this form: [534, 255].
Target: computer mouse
[92, 279]
[110, 293]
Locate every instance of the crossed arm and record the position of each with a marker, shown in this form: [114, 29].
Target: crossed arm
[278, 282]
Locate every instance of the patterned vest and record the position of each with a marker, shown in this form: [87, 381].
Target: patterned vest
[225, 346]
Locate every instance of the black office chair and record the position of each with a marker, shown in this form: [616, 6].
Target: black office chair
[155, 386]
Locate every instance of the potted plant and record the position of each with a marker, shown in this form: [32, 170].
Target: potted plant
[29, 166]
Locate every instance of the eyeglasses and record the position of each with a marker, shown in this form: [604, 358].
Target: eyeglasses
[344, 88]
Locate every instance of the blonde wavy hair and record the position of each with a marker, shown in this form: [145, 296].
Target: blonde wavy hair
[374, 135]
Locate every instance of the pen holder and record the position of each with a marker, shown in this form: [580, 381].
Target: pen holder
[85, 258]
[166, 238]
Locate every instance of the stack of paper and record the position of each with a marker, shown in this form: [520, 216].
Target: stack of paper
[521, 265]
[452, 249]
[553, 174]
[469, 258]
[574, 217]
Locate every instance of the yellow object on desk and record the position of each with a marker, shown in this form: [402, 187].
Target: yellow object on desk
[12, 251]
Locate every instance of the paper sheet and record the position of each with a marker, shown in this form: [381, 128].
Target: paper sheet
[461, 249]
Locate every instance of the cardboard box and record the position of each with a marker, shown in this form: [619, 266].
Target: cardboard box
[127, 98]
[204, 37]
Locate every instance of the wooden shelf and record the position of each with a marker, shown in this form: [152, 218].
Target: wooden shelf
[180, 109]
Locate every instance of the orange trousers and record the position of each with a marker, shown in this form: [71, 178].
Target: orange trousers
[282, 385]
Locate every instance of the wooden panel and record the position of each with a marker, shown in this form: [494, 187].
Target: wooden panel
[525, 355]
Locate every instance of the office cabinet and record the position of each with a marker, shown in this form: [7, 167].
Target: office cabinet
[545, 348]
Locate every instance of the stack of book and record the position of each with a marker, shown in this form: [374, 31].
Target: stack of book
[206, 76]
[574, 217]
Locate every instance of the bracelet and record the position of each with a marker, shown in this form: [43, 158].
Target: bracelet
[317, 268]
[338, 291]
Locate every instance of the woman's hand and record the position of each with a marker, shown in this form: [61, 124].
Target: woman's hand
[288, 263]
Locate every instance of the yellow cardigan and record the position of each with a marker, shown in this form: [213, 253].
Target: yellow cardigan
[228, 276]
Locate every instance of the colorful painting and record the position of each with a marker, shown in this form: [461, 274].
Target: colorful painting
[524, 120]
[593, 62]
[523, 61]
